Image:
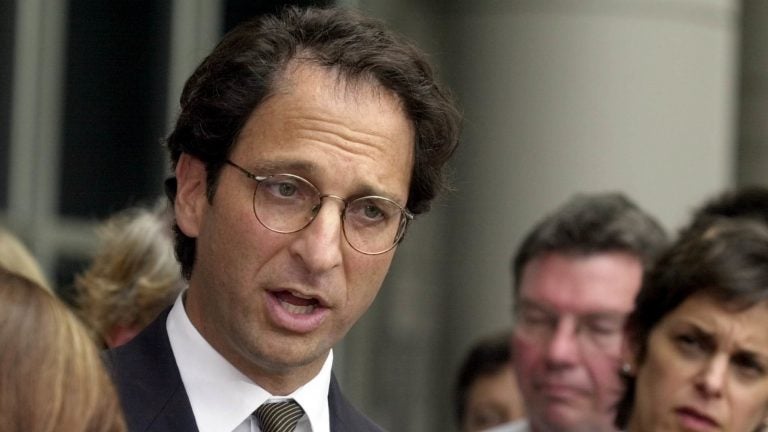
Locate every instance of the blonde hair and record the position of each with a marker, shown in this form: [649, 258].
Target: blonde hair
[15, 257]
[51, 375]
[134, 274]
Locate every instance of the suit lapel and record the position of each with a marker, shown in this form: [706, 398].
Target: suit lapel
[154, 399]
[344, 416]
[149, 383]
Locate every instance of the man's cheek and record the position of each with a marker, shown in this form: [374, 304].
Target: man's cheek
[608, 382]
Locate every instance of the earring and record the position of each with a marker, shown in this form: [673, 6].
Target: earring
[626, 368]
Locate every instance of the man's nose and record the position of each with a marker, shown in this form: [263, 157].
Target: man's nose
[320, 244]
[563, 347]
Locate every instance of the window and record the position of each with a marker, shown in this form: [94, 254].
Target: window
[114, 105]
[7, 12]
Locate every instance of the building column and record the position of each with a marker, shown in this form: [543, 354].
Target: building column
[753, 100]
[560, 97]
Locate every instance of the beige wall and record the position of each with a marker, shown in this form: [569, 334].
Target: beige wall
[753, 91]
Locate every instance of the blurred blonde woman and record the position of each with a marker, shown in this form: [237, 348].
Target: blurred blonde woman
[15, 257]
[51, 375]
[133, 276]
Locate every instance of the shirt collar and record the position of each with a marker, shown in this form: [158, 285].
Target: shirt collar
[220, 395]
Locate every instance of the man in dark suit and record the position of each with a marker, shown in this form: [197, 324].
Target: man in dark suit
[304, 146]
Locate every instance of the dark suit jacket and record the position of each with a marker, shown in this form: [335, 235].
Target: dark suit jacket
[154, 399]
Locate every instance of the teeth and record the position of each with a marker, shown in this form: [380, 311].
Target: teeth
[294, 309]
[295, 294]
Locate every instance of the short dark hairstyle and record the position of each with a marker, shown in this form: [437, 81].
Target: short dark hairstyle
[726, 260]
[589, 224]
[747, 202]
[486, 357]
[246, 65]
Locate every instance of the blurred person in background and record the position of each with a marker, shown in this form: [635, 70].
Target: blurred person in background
[51, 376]
[133, 276]
[486, 392]
[575, 277]
[696, 346]
[14, 256]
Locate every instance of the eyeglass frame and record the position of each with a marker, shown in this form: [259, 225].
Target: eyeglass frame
[543, 327]
[405, 218]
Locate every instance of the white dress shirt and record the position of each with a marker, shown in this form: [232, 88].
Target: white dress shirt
[222, 398]
[515, 426]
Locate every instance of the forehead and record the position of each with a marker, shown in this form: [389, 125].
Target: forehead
[741, 328]
[356, 131]
[602, 282]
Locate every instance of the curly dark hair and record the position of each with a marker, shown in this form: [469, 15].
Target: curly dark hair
[243, 69]
[726, 259]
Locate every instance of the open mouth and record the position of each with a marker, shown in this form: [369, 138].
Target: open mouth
[296, 303]
[296, 312]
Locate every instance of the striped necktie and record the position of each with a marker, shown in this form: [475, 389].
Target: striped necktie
[279, 416]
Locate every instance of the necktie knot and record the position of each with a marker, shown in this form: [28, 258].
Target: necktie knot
[279, 416]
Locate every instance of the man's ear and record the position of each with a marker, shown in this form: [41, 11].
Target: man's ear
[191, 198]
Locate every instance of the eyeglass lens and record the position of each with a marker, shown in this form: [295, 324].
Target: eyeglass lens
[598, 331]
[286, 203]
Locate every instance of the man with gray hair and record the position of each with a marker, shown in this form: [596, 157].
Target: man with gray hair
[575, 277]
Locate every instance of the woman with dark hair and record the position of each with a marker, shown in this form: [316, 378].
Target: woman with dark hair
[486, 392]
[697, 341]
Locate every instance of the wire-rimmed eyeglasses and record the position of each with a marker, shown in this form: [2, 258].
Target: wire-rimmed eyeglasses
[540, 324]
[287, 203]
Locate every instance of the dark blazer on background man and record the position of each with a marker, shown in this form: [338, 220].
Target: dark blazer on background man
[154, 399]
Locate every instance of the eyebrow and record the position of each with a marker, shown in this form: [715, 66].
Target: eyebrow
[282, 166]
[754, 349]
[756, 356]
